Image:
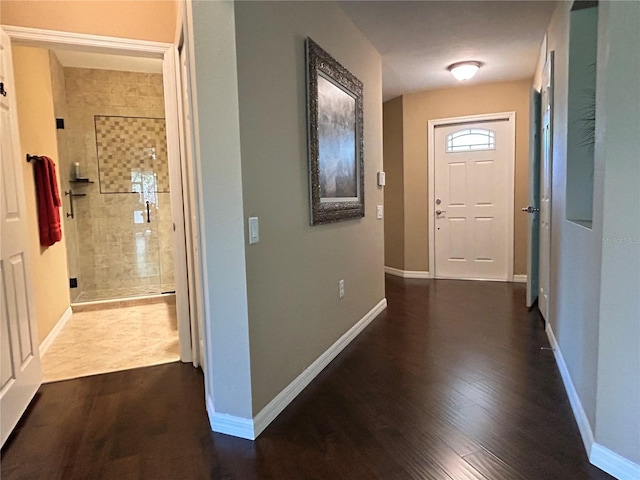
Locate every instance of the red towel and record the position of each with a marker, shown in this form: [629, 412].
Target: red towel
[44, 172]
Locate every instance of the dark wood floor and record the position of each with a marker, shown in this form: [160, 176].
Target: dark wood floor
[449, 383]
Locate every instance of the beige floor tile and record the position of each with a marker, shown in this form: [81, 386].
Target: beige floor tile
[115, 339]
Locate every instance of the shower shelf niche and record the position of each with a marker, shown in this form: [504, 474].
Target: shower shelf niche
[81, 181]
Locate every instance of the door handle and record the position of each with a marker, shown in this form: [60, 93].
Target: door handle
[440, 212]
[148, 213]
[71, 196]
[530, 209]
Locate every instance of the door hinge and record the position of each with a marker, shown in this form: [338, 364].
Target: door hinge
[59, 123]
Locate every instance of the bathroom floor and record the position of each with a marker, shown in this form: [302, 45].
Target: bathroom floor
[111, 339]
[124, 292]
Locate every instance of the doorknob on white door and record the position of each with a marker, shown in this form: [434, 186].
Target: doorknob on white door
[440, 212]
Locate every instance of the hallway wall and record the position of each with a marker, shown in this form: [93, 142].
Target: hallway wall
[417, 110]
[34, 99]
[393, 153]
[295, 313]
[618, 152]
[595, 287]
[574, 286]
[276, 309]
[217, 147]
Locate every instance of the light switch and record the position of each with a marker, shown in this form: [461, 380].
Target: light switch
[381, 179]
[379, 211]
[254, 231]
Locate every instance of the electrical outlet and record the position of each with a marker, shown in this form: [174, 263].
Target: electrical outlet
[341, 288]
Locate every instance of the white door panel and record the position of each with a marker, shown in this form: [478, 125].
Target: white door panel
[21, 375]
[545, 188]
[472, 192]
[191, 205]
[533, 209]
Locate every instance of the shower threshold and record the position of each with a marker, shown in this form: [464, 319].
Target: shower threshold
[122, 293]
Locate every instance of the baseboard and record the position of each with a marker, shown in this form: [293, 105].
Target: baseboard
[286, 396]
[250, 429]
[229, 424]
[576, 405]
[406, 273]
[422, 274]
[600, 456]
[55, 331]
[614, 464]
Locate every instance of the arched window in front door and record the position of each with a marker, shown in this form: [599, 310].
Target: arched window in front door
[471, 139]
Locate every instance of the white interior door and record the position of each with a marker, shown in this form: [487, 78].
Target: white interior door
[473, 200]
[20, 362]
[170, 75]
[533, 209]
[191, 206]
[546, 165]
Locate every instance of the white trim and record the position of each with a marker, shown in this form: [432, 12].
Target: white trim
[229, 424]
[55, 331]
[286, 396]
[197, 213]
[476, 279]
[519, 278]
[189, 188]
[613, 463]
[167, 52]
[250, 429]
[576, 405]
[140, 298]
[599, 455]
[180, 268]
[406, 273]
[84, 42]
[432, 124]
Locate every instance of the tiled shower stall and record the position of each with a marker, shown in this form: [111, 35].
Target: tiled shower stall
[119, 239]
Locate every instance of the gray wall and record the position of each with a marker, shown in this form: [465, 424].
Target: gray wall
[228, 375]
[575, 250]
[295, 313]
[595, 281]
[618, 407]
[273, 308]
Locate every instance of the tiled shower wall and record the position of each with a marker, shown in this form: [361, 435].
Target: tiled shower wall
[119, 253]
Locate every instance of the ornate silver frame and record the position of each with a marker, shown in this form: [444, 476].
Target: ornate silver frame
[320, 62]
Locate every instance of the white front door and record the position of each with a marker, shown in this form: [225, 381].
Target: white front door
[473, 200]
[20, 362]
[545, 187]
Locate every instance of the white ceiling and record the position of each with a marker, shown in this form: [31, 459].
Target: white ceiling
[418, 40]
[102, 61]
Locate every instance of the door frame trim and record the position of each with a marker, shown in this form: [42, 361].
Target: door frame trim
[166, 52]
[431, 154]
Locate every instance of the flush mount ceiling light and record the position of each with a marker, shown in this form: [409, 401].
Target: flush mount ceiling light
[464, 70]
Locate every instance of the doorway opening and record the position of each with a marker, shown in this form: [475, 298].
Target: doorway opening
[114, 172]
[119, 163]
